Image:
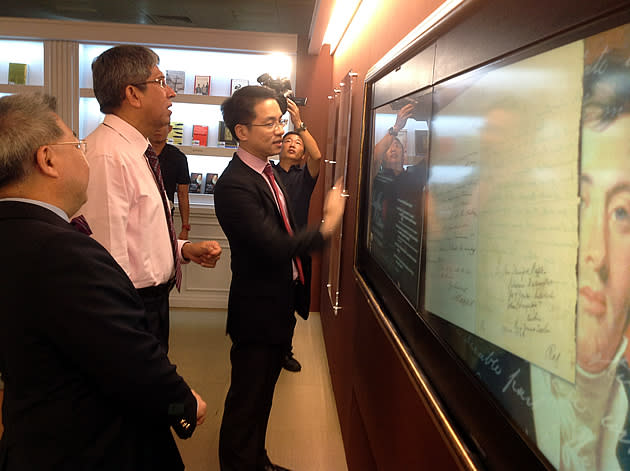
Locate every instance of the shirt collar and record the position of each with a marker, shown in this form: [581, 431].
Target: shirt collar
[59, 212]
[127, 132]
[252, 161]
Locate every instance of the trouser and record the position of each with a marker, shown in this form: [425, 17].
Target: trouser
[255, 371]
[155, 299]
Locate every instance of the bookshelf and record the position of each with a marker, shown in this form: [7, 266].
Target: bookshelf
[26, 52]
[61, 65]
[190, 108]
[225, 56]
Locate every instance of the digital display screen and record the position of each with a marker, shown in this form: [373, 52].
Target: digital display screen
[499, 206]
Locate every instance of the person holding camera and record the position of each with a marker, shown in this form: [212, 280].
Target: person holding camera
[389, 151]
[298, 170]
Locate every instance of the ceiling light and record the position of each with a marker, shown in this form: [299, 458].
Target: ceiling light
[342, 15]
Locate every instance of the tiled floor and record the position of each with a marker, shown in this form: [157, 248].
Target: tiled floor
[303, 432]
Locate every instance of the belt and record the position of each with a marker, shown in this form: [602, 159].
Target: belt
[159, 290]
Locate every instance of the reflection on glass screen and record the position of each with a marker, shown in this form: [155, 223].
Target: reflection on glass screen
[520, 174]
[398, 177]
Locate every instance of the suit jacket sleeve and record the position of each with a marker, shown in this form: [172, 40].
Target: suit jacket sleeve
[99, 326]
[249, 217]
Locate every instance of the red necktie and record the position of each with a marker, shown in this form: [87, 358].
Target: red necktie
[269, 172]
[154, 163]
[81, 225]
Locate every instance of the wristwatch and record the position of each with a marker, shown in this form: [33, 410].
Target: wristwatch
[392, 132]
[302, 127]
[186, 226]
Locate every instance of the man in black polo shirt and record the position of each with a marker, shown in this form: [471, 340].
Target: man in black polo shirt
[298, 169]
[174, 167]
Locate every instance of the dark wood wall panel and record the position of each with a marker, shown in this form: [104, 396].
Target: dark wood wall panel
[403, 435]
[487, 32]
[361, 453]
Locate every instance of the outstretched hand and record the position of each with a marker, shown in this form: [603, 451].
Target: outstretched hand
[294, 112]
[334, 206]
[403, 115]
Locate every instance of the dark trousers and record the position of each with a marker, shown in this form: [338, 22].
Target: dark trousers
[255, 371]
[155, 299]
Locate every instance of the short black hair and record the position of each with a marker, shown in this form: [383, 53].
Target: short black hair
[239, 108]
[118, 67]
[291, 132]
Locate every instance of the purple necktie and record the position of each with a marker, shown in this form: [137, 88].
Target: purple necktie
[269, 172]
[154, 163]
[81, 225]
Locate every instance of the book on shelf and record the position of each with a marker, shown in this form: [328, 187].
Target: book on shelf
[211, 180]
[200, 135]
[176, 79]
[202, 84]
[225, 136]
[195, 183]
[17, 73]
[236, 84]
[176, 136]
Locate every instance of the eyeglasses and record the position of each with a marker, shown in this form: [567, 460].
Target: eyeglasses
[273, 125]
[82, 145]
[160, 81]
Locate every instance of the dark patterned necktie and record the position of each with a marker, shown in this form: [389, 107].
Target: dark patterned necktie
[81, 225]
[269, 172]
[154, 163]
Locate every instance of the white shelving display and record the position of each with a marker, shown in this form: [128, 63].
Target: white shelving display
[30, 53]
[68, 48]
[188, 107]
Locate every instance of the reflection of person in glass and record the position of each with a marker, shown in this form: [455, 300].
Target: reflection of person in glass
[397, 206]
[389, 151]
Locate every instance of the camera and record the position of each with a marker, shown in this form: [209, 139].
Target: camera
[418, 110]
[282, 87]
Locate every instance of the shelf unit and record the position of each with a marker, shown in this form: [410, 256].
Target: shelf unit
[180, 98]
[189, 108]
[24, 52]
[11, 89]
[68, 50]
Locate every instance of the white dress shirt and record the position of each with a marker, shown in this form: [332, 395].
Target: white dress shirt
[124, 207]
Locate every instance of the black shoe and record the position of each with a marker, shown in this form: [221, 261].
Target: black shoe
[269, 466]
[275, 467]
[290, 363]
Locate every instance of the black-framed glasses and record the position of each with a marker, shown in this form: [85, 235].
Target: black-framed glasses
[160, 81]
[81, 144]
[273, 125]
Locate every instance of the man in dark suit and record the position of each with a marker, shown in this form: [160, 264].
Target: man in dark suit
[267, 281]
[87, 387]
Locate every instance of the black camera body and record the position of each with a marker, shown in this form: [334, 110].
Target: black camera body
[282, 87]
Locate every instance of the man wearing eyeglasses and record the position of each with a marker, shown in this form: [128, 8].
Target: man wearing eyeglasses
[127, 208]
[87, 386]
[267, 279]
